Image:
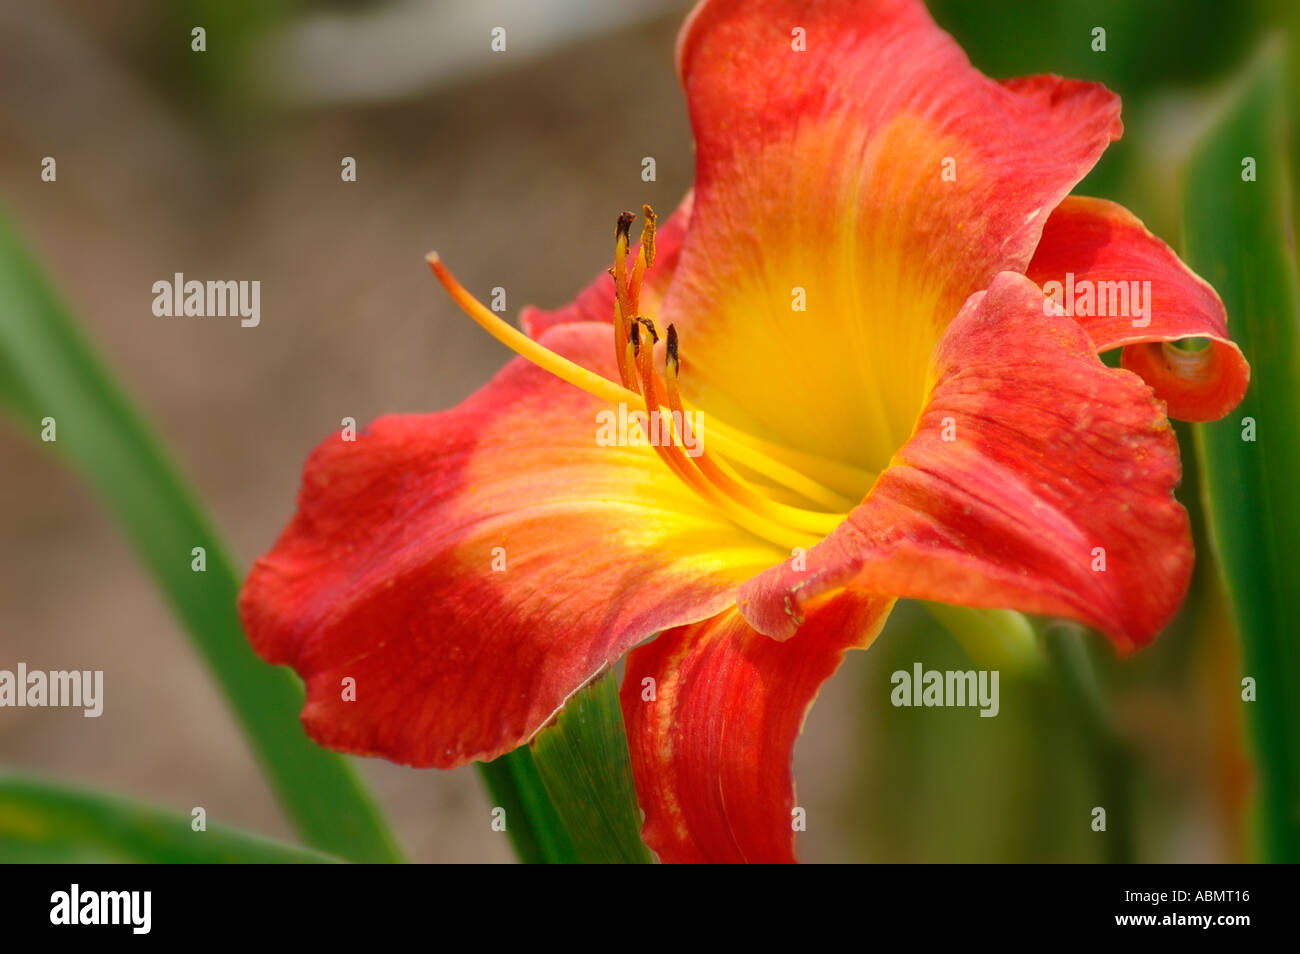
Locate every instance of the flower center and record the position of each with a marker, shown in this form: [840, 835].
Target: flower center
[750, 499]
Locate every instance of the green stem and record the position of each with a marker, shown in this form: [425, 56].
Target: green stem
[1113, 762]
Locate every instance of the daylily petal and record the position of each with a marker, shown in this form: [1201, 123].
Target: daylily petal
[875, 178]
[1097, 242]
[711, 751]
[596, 301]
[1031, 464]
[390, 572]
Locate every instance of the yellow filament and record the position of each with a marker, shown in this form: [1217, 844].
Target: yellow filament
[622, 299]
[731, 484]
[620, 352]
[842, 485]
[675, 458]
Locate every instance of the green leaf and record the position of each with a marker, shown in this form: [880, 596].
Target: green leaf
[1114, 767]
[1239, 238]
[43, 823]
[47, 369]
[535, 828]
[583, 761]
[568, 795]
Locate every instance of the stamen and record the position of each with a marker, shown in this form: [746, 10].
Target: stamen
[713, 480]
[621, 242]
[620, 337]
[629, 353]
[645, 258]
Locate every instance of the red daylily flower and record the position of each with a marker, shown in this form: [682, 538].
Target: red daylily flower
[927, 426]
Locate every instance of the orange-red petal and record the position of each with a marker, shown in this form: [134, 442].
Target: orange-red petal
[1037, 479]
[1102, 243]
[712, 713]
[856, 180]
[470, 569]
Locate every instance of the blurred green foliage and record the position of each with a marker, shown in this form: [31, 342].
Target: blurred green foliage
[1238, 237]
[43, 823]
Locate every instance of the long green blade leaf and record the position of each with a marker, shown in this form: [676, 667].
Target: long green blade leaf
[535, 829]
[1238, 236]
[41, 822]
[583, 761]
[48, 371]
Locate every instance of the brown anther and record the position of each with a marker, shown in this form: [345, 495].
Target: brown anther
[649, 326]
[671, 357]
[624, 228]
[635, 337]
